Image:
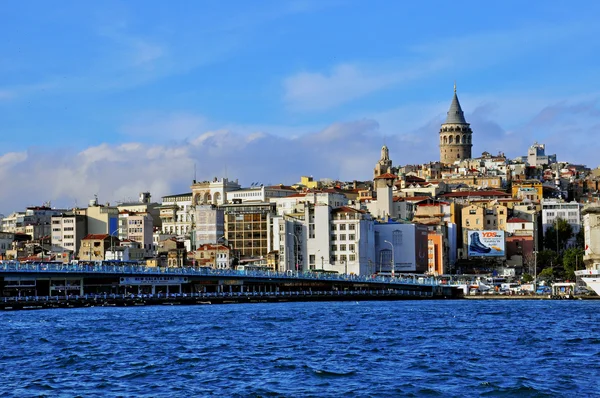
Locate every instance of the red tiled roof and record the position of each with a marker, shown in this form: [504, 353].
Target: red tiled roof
[96, 236]
[517, 220]
[346, 209]
[386, 176]
[416, 198]
[474, 193]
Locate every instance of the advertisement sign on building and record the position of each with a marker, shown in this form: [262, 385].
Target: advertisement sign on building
[486, 244]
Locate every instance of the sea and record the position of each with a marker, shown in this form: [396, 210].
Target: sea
[453, 348]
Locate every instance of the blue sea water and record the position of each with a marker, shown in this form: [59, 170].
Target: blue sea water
[323, 349]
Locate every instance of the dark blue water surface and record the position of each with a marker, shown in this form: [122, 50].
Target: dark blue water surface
[403, 348]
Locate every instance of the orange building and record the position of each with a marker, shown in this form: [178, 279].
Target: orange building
[435, 253]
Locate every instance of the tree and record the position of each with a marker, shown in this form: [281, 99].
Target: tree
[565, 232]
[526, 278]
[579, 238]
[547, 274]
[572, 259]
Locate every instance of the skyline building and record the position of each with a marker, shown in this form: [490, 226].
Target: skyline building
[455, 134]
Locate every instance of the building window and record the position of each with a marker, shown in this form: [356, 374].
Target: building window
[343, 237]
[351, 237]
[343, 248]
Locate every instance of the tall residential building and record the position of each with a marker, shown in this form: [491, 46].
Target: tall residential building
[209, 224]
[143, 205]
[137, 227]
[455, 135]
[248, 227]
[177, 215]
[67, 232]
[102, 219]
[568, 211]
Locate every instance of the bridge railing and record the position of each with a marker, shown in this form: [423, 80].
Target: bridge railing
[128, 269]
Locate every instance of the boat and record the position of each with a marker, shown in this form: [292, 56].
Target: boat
[591, 276]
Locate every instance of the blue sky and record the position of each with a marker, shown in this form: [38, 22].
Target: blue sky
[117, 97]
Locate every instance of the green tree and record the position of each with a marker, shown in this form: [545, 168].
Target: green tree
[547, 274]
[572, 260]
[557, 240]
[579, 238]
[526, 278]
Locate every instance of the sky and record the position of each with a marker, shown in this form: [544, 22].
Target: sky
[115, 98]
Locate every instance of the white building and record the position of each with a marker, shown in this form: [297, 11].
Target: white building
[404, 245]
[591, 229]
[317, 237]
[569, 211]
[536, 155]
[67, 232]
[177, 214]
[288, 204]
[260, 193]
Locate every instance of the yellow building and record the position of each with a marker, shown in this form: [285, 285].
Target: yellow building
[482, 216]
[528, 189]
[308, 182]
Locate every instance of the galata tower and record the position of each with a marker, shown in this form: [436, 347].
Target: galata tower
[455, 135]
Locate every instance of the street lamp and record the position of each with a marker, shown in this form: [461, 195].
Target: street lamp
[297, 248]
[393, 264]
[112, 248]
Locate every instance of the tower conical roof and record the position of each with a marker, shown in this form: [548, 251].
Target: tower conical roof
[455, 114]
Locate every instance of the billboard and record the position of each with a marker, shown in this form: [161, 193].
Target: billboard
[486, 244]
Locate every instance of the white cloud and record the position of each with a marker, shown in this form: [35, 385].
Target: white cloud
[309, 91]
[120, 172]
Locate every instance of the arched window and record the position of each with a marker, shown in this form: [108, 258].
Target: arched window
[458, 139]
[464, 139]
[450, 139]
[445, 139]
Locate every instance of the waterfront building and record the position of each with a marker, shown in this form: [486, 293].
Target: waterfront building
[94, 246]
[102, 219]
[401, 248]
[260, 193]
[591, 233]
[176, 214]
[328, 197]
[67, 232]
[14, 222]
[552, 209]
[143, 205]
[455, 135]
[213, 192]
[209, 226]
[248, 227]
[436, 254]
[127, 250]
[213, 256]
[6, 240]
[137, 227]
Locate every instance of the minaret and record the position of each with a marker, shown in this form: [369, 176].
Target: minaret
[385, 164]
[455, 134]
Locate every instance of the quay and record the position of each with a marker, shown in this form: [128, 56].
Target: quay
[50, 285]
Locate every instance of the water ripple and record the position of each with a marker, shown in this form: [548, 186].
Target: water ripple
[323, 349]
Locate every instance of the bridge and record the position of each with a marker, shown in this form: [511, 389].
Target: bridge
[122, 282]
